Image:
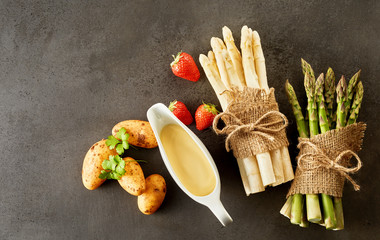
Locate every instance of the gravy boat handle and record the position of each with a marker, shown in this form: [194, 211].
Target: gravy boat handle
[220, 212]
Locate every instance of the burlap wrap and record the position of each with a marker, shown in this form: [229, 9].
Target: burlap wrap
[324, 161]
[253, 123]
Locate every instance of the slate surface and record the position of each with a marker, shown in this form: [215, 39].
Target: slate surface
[71, 70]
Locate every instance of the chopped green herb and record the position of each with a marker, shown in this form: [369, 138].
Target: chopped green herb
[120, 142]
[111, 142]
[113, 168]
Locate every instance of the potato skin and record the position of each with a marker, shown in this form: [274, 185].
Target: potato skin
[140, 133]
[154, 194]
[133, 181]
[92, 164]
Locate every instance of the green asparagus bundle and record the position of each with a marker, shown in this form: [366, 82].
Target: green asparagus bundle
[321, 117]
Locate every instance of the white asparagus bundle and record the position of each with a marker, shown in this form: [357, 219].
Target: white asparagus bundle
[226, 68]
[248, 167]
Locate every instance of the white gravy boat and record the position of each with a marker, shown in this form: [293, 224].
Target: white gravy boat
[159, 116]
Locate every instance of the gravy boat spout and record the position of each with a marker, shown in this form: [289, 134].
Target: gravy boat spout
[202, 183]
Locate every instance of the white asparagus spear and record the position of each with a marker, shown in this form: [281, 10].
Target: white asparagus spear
[234, 54]
[217, 48]
[214, 79]
[226, 99]
[287, 165]
[277, 166]
[244, 177]
[259, 61]
[230, 69]
[260, 68]
[284, 157]
[286, 209]
[250, 168]
[232, 75]
[266, 168]
[248, 61]
[211, 57]
[252, 183]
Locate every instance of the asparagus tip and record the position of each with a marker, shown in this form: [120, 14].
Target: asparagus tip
[227, 34]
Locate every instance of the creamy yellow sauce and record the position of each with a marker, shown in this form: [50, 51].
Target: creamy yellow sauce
[188, 161]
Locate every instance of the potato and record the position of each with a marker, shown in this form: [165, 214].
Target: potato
[140, 133]
[133, 181]
[154, 194]
[92, 164]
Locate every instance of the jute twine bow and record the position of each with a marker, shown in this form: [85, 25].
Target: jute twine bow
[321, 160]
[258, 127]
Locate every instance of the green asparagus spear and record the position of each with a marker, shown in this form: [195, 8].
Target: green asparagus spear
[304, 222]
[311, 104]
[341, 98]
[306, 68]
[341, 92]
[312, 200]
[327, 203]
[297, 111]
[298, 199]
[350, 91]
[356, 103]
[329, 95]
[322, 114]
[296, 213]
[338, 208]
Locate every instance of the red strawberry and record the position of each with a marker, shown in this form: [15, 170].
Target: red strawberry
[180, 111]
[204, 115]
[184, 66]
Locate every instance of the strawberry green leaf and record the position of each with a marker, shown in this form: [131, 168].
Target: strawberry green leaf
[210, 108]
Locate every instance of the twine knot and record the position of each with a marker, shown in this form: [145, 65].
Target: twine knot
[259, 127]
[318, 159]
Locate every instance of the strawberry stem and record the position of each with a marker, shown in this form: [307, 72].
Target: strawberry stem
[172, 105]
[176, 59]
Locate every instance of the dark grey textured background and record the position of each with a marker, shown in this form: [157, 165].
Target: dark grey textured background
[70, 71]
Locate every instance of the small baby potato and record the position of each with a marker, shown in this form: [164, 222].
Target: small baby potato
[92, 164]
[154, 194]
[140, 133]
[133, 181]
